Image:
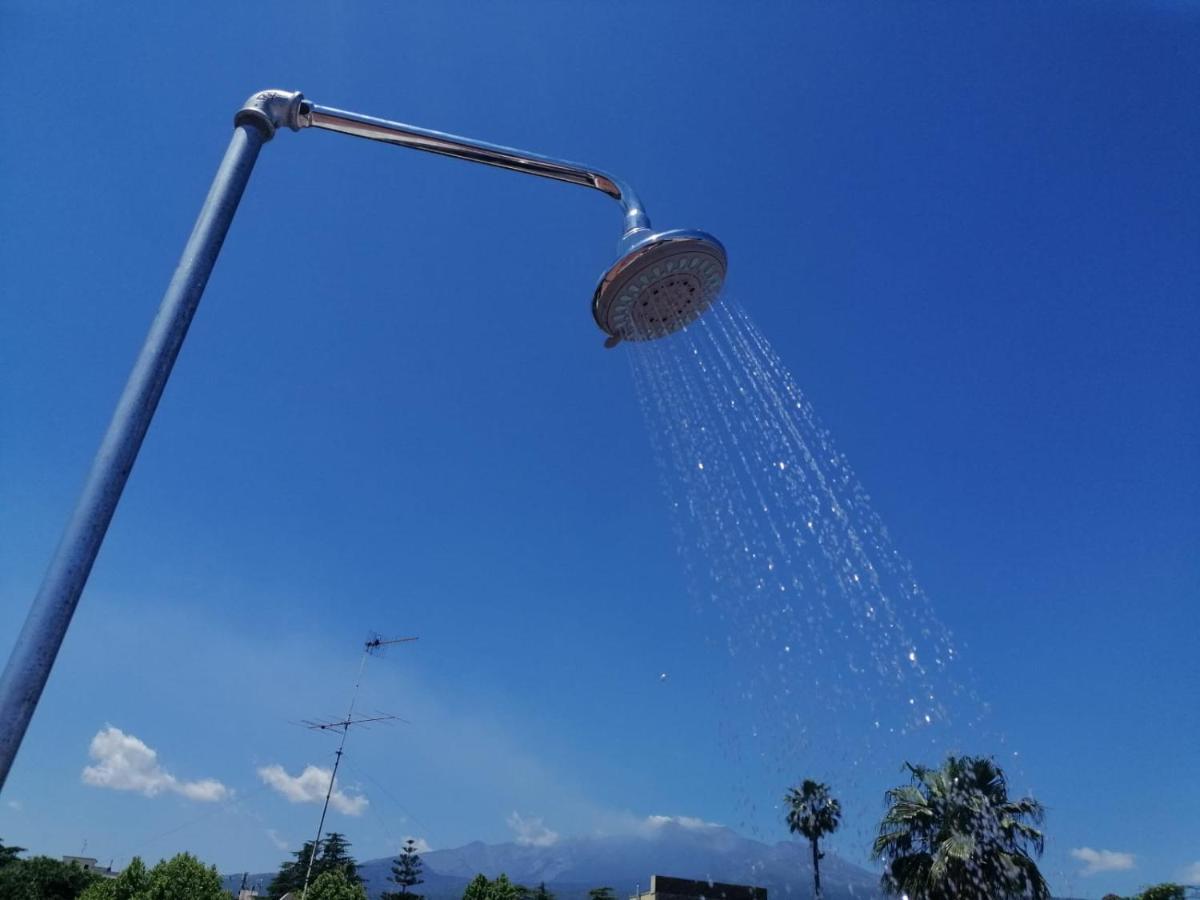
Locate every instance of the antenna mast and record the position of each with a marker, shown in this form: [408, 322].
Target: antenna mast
[371, 647]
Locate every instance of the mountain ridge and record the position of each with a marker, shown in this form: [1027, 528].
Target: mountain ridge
[570, 866]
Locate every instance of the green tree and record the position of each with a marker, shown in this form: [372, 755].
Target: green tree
[953, 834]
[16, 882]
[335, 856]
[132, 881]
[9, 854]
[813, 812]
[335, 884]
[183, 876]
[602, 893]
[1166, 891]
[290, 876]
[479, 888]
[131, 884]
[503, 889]
[406, 872]
[97, 890]
[43, 878]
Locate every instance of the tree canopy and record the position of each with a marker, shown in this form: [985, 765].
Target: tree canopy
[335, 884]
[501, 888]
[9, 854]
[952, 833]
[180, 876]
[1165, 891]
[41, 878]
[813, 812]
[131, 884]
[478, 888]
[333, 856]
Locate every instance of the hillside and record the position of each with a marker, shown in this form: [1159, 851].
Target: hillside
[571, 866]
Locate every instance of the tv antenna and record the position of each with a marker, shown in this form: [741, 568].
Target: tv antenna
[373, 646]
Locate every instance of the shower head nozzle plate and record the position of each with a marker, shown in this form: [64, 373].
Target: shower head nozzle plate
[663, 282]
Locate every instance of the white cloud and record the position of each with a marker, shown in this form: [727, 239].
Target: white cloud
[124, 763]
[421, 844]
[14, 805]
[532, 831]
[689, 822]
[310, 787]
[275, 839]
[1191, 875]
[627, 823]
[1096, 861]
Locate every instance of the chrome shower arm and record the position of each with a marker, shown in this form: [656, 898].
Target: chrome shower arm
[329, 119]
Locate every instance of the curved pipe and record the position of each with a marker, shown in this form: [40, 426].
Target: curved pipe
[329, 119]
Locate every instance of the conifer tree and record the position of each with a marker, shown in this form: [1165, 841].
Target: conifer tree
[291, 874]
[335, 856]
[406, 871]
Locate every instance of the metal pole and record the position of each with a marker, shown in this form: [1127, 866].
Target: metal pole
[45, 627]
[336, 762]
[312, 856]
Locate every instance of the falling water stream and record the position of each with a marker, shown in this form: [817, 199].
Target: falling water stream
[840, 666]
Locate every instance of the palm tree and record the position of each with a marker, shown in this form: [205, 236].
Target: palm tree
[953, 834]
[814, 813]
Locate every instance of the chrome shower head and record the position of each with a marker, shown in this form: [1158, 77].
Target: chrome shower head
[662, 282]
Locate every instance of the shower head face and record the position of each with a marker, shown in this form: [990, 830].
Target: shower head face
[660, 284]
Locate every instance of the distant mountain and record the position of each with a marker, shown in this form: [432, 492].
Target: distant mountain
[572, 866]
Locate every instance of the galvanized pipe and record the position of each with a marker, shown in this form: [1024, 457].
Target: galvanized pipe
[45, 627]
[443, 144]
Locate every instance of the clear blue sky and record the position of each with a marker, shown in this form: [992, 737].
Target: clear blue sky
[972, 231]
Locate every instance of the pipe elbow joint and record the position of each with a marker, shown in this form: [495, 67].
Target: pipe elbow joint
[272, 109]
